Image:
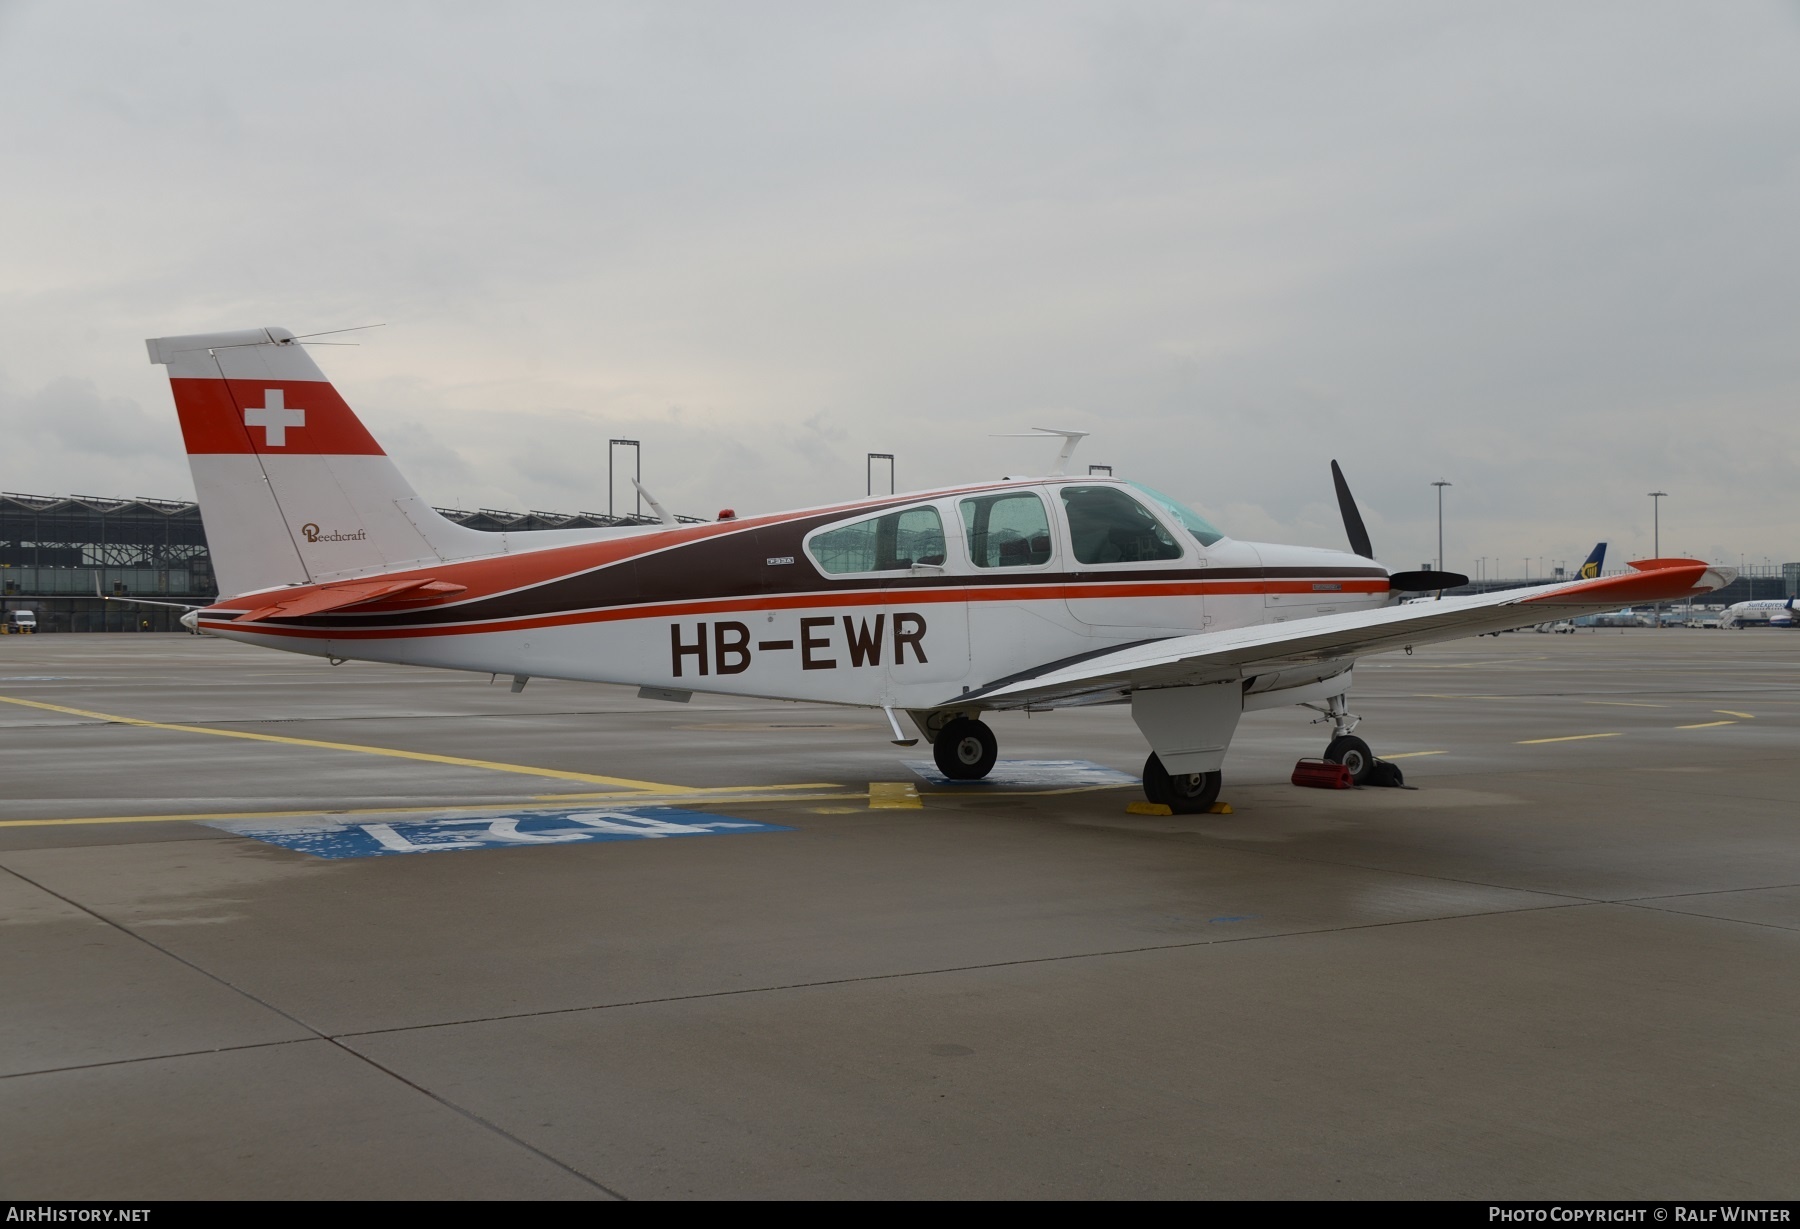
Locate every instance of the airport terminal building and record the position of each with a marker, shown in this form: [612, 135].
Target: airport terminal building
[60, 553]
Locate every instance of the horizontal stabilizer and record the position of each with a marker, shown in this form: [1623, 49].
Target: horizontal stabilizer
[342, 597]
[1656, 580]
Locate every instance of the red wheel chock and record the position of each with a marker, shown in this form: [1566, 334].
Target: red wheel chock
[1322, 774]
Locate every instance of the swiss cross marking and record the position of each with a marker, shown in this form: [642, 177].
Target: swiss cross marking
[274, 417]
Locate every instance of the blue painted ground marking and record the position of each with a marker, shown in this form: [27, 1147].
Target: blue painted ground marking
[1235, 917]
[452, 832]
[1045, 774]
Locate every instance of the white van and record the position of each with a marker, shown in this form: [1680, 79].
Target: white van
[21, 621]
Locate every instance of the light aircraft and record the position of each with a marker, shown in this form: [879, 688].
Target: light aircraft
[1029, 593]
[1767, 612]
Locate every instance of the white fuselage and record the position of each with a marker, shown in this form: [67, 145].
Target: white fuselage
[914, 638]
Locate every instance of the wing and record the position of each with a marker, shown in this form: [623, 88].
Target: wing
[1242, 652]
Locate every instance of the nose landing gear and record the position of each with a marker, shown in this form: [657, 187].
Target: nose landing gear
[1352, 752]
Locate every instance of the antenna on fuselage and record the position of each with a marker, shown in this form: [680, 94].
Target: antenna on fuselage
[1070, 440]
[662, 513]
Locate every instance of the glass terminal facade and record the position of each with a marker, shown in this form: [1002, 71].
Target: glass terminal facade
[58, 553]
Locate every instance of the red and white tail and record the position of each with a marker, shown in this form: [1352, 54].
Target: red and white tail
[292, 487]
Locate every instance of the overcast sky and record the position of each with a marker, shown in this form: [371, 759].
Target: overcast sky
[1549, 252]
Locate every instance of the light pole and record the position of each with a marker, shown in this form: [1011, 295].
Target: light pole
[1440, 484]
[1656, 498]
[637, 466]
[869, 470]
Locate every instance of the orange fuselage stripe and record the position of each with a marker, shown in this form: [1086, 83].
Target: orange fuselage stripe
[858, 597]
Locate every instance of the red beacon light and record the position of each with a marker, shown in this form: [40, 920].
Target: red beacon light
[727, 514]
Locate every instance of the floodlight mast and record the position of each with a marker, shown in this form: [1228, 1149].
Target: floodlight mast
[869, 471]
[1440, 484]
[1656, 498]
[637, 452]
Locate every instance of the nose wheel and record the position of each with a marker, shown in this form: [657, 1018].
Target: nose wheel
[1353, 753]
[1185, 793]
[965, 749]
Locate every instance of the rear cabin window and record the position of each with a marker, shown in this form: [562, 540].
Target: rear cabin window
[1108, 526]
[1007, 531]
[890, 543]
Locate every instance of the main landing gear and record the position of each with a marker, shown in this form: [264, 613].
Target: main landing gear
[1352, 752]
[1187, 793]
[965, 749]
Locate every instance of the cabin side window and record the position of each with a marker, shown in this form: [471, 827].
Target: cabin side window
[1108, 526]
[1009, 530]
[890, 543]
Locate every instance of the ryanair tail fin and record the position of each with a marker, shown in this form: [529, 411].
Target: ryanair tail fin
[1591, 568]
[292, 487]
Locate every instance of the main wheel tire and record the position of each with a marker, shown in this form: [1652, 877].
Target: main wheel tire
[1353, 753]
[1188, 793]
[965, 749]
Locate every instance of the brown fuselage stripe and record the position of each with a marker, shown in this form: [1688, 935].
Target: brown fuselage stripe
[653, 577]
[728, 604]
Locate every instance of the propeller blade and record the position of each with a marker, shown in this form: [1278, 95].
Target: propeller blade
[1426, 582]
[1354, 528]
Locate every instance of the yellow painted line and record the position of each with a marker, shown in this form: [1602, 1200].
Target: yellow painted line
[196, 817]
[1624, 704]
[175, 819]
[1026, 793]
[696, 792]
[490, 765]
[894, 796]
[1705, 725]
[1566, 738]
[648, 799]
[1729, 713]
[1410, 755]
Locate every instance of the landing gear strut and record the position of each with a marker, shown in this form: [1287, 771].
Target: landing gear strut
[1187, 793]
[965, 749]
[1350, 751]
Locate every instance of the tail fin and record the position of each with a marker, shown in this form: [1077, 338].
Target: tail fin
[292, 487]
[1591, 569]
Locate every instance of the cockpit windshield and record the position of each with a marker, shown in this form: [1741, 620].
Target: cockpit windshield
[1190, 520]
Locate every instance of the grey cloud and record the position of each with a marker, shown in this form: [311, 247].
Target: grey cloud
[1545, 251]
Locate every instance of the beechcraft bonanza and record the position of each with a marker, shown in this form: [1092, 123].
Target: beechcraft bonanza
[1031, 593]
